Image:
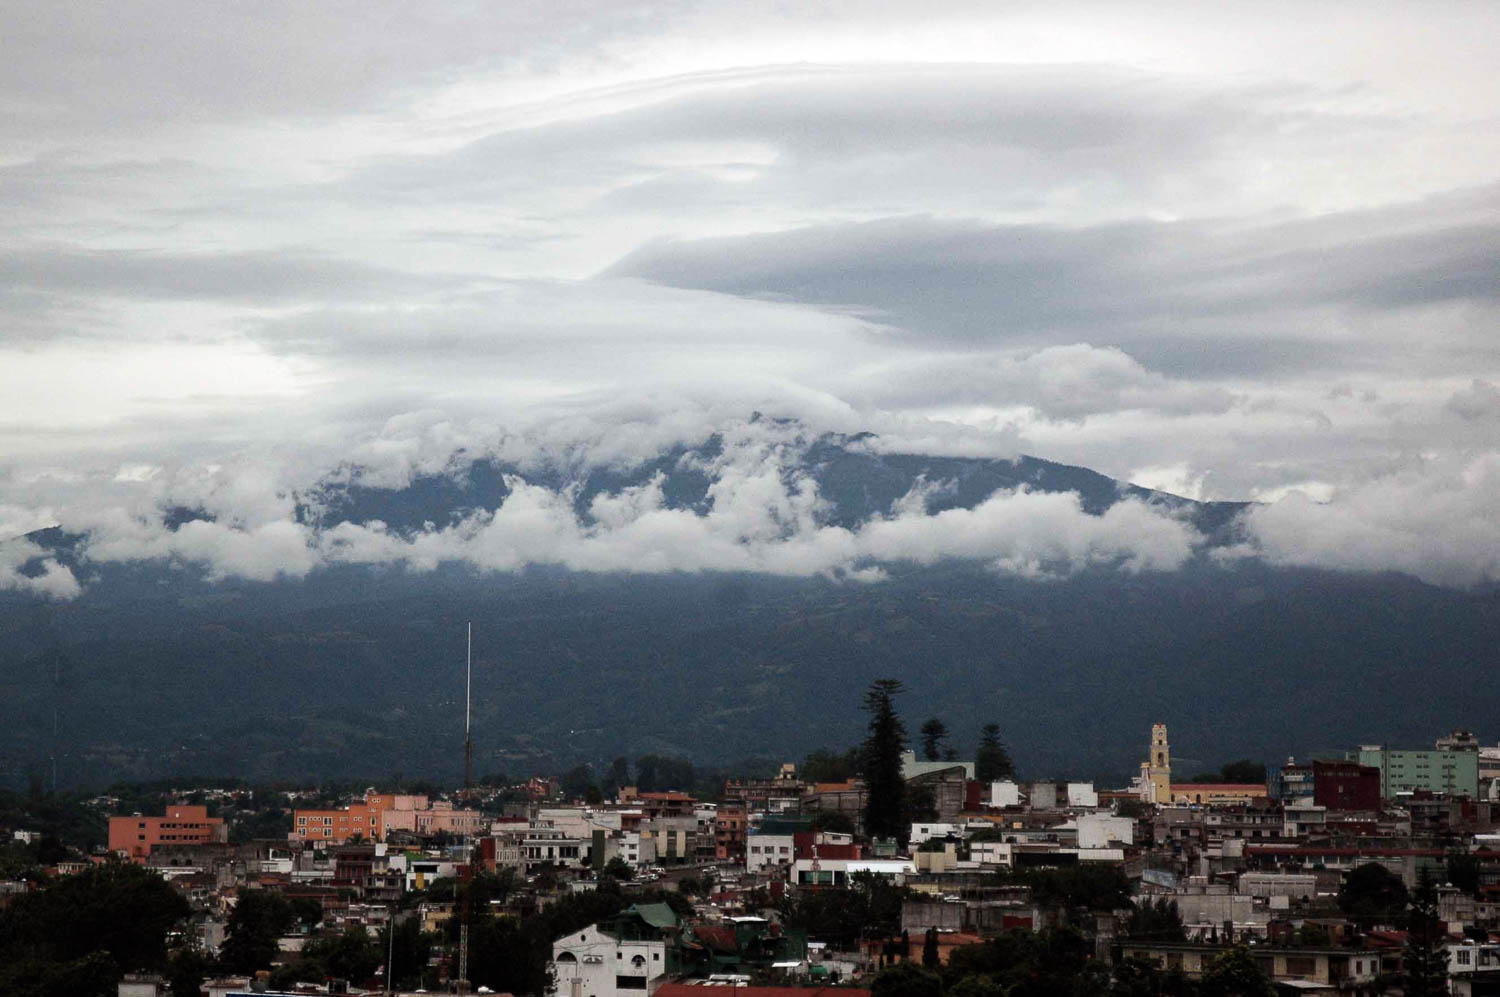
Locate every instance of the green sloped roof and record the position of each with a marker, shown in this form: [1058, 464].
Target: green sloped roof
[656, 915]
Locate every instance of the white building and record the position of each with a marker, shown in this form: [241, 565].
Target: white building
[1082, 794]
[628, 955]
[911, 768]
[549, 846]
[765, 851]
[1104, 831]
[926, 831]
[1005, 793]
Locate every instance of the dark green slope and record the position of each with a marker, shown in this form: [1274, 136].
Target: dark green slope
[364, 677]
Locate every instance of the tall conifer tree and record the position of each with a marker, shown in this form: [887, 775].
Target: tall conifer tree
[885, 789]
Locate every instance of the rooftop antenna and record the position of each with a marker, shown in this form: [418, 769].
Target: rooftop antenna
[468, 741]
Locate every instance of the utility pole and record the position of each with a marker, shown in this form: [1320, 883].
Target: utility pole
[463, 956]
[390, 951]
[468, 739]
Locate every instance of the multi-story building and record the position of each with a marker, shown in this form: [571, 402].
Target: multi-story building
[381, 813]
[775, 795]
[1319, 970]
[731, 824]
[444, 818]
[1346, 786]
[340, 826]
[1453, 772]
[135, 836]
[549, 846]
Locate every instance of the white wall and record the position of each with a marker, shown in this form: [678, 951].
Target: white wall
[1082, 794]
[1098, 830]
[597, 958]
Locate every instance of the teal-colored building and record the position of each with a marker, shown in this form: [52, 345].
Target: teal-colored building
[1453, 772]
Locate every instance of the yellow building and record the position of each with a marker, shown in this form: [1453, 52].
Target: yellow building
[1206, 793]
[1156, 771]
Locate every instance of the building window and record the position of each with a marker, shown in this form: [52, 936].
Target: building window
[1301, 965]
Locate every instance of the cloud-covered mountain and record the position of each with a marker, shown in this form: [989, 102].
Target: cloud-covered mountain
[722, 599]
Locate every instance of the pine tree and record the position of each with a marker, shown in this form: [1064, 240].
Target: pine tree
[930, 949]
[885, 789]
[992, 761]
[1426, 955]
[934, 733]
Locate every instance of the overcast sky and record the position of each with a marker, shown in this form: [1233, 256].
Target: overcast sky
[1231, 251]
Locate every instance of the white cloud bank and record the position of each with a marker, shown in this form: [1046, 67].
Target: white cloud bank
[1248, 249]
[30, 569]
[763, 514]
[1438, 521]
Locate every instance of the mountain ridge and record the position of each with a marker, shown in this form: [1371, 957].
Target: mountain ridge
[355, 670]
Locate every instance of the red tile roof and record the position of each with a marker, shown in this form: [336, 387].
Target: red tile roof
[692, 990]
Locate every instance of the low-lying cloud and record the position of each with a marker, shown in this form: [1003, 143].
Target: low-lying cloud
[1436, 520]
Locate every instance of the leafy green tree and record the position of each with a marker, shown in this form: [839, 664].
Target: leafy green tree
[186, 970]
[1313, 934]
[1094, 886]
[619, 869]
[1136, 978]
[660, 773]
[409, 952]
[934, 736]
[619, 775]
[93, 975]
[307, 910]
[575, 782]
[1371, 894]
[271, 822]
[1049, 963]
[869, 907]
[255, 926]
[885, 789]
[976, 986]
[832, 821]
[1159, 920]
[645, 773]
[1426, 957]
[1233, 973]
[827, 766]
[117, 908]
[1462, 870]
[992, 761]
[906, 980]
[350, 954]
[1244, 770]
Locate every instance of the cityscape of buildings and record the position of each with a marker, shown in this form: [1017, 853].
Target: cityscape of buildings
[1265, 865]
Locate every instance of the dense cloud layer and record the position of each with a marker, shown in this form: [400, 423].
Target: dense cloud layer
[1241, 253]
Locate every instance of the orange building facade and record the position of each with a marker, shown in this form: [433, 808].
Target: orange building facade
[134, 837]
[339, 826]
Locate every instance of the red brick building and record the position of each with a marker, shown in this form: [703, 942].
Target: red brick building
[1346, 786]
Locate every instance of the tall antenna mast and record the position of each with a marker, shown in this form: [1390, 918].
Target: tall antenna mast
[468, 741]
